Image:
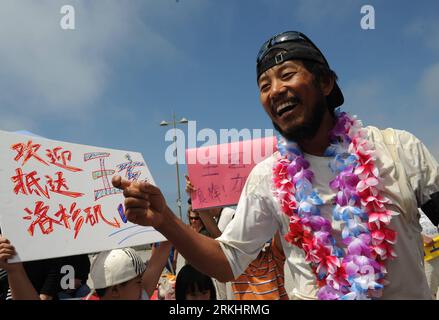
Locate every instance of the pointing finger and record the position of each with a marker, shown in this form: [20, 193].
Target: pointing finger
[136, 192]
[149, 188]
[120, 183]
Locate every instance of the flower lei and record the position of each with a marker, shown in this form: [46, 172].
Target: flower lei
[358, 271]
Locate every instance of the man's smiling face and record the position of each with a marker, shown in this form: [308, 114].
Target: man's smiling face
[293, 100]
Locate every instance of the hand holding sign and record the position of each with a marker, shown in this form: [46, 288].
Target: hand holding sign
[218, 173]
[7, 251]
[144, 202]
[189, 186]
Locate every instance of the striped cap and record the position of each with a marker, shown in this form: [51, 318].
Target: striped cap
[109, 268]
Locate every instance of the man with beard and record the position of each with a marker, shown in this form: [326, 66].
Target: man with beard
[344, 198]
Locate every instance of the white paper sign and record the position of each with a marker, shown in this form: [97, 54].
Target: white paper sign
[56, 198]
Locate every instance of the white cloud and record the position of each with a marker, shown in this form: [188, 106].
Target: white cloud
[426, 30]
[45, 70]
[11, 122]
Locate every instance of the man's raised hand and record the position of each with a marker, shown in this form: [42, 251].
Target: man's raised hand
[144, 203]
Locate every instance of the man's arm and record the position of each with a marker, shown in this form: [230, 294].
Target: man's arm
[155, 266]
[145, 205]
[422, 171]
[174, 260]
[202, 252]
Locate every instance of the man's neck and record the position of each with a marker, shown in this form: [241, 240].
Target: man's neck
[317, 145]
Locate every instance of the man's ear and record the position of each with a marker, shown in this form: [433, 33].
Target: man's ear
[327, 84]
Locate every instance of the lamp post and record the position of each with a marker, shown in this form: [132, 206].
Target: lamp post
[174, 124]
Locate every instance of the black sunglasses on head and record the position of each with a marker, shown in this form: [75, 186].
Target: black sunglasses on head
[282, 38]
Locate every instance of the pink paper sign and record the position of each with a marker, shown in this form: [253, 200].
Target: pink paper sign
[219, 172]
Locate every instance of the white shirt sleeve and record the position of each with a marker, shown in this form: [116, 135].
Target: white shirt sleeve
[226, 216]
[421, 168]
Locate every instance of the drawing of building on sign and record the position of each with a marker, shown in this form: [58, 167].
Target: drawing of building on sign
[102, 174]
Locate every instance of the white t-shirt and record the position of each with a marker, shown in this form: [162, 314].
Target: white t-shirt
[258, 216]
[226, 216]
[224, 290]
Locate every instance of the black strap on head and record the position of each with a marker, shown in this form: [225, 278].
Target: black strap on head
[292, 51]
[431, 208]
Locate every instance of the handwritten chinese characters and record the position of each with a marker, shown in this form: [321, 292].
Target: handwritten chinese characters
[56, 198]
[31, 179]
[220, 183]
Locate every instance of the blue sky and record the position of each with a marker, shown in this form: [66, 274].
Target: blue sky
[130, 63]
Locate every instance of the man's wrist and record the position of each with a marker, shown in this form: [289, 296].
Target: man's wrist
[167, 222]
[165, 218]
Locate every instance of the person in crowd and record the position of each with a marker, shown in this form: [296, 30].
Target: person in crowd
[195, 222]
[171, 265]
[215, 220]
[81, 267]
[343, 197]
[4, 285]
[45, 276]
[430, 232]
[118, 274]
[264, 278]
[193, 285]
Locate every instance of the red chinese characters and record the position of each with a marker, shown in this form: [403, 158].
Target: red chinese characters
[27, 150]
[28, 183]
[45, 216]
[91, 216]
[61, 158]
[59, 186]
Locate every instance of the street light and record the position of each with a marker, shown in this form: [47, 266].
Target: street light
[174, 124]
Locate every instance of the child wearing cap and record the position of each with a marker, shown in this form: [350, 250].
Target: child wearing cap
[119, 274]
